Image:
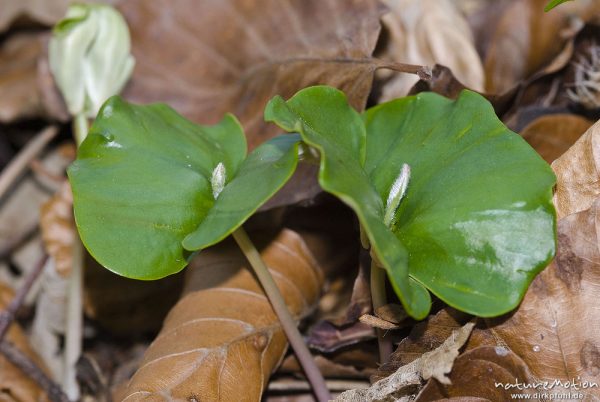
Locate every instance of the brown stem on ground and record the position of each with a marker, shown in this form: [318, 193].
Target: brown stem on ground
[424, 72]
[8, 316]
[27, 366]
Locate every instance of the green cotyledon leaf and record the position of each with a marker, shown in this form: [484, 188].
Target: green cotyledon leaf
[476, 223]
[145, 180]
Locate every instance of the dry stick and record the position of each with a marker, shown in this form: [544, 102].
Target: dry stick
[424, 72]
[19, 164]
[8, 315]
[27, 366]
[287, 322]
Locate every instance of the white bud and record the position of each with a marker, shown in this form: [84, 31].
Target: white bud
[90, 57]
[396, 194]
[217, 181]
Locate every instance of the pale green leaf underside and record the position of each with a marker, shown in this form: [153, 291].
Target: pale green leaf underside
[141, 185]
[477, 222]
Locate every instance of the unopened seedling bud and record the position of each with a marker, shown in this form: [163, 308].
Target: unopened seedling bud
[90, 57]
[397, 192]
[217, 181]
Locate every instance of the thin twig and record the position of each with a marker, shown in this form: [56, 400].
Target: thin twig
[7, 316]
[312, 372]
[424, 72]
[295, 385]
[19, 164]
[27, 366]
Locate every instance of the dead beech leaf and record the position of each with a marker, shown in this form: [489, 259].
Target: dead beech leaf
[475, 374]
[428, 32]
[222, 341]
[216, 56]
[424, 337]
[435, 364]
[578, 174]
[46, 12]
[552, 135]
[16, 386]
[58, 228]
[555, 330]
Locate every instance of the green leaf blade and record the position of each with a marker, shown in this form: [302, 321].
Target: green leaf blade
[325, 121]
[141, 184]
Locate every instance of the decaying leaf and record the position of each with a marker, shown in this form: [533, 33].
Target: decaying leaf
[232, 56]
[552, 135]
[58, 228]
[555, 329]
[435, 364]
[475, 374]
[16, 386]
[578, 174]
[427, 32]
[223, 340]
[386, 317]
[46, 12]
[524, 40]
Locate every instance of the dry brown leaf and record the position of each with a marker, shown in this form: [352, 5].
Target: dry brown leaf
[555, 330]
[475, 374]
[435, 364]
[46, 12]
[376, 322]
[552, 135]
[524, 39]
[212, 57]
[222, 341]
[578, 174]
[428, 32]
[18, 76]
[16, 386]
[424, 337]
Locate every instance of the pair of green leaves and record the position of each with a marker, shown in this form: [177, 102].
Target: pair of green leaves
[474, 227]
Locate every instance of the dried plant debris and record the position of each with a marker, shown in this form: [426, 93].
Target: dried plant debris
[586, 84]
[435, 364]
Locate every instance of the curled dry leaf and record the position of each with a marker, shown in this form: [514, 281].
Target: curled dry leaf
[232, 56]
[578, 174]
[16, 386]
[435, 364]
[223, 340]
[427, 32]
[523, 40]
[475, 374]
[58, 228]
[552, 135]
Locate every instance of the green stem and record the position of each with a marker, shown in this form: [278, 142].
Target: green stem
[379, 299]
[287, 322]
[80, 128]
[74, 329]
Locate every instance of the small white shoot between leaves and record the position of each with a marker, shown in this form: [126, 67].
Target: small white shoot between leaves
[396, 194]
[217, 181]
